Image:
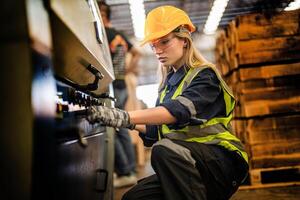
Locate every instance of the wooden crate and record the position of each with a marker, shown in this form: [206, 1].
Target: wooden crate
[272, 129]
[253, 26]
[272, 149]
[284, 82]
[278, 56]
[266, 90]
[272, 49]
[273, 177]
[254, 39]
[259, 58]
[279, 160]
[263, 72]
[267, 107]
[271, 141]
[273, 94]
[283, 44]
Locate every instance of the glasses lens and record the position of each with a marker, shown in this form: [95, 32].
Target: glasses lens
[162, 44]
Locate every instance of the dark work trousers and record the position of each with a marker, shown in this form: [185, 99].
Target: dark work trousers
[196, 172]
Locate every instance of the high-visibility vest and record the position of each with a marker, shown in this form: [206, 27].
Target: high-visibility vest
[217, 130]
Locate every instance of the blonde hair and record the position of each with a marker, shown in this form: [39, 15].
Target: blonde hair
[191, 57]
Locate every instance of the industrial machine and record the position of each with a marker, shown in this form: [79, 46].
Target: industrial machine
[55, 64]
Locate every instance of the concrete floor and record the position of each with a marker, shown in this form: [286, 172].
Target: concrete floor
[272, 193]
[276, 193]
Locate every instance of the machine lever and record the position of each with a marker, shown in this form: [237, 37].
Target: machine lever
[73, 132]
[98, 76]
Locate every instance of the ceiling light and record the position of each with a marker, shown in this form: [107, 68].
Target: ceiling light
[215, 16]
[293, 5]
[137, 11]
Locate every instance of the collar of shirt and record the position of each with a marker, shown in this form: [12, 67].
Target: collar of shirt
[175, 77]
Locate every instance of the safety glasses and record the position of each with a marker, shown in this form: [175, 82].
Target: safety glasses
[162, 43]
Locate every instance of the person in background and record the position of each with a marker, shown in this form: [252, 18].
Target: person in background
[195, 154]
[125, 163]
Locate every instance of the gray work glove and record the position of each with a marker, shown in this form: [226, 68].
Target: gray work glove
[113, 117]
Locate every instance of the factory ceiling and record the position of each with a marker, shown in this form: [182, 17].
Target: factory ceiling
[198, 10]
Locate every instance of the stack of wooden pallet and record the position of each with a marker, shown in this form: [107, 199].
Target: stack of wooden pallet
[259, 56]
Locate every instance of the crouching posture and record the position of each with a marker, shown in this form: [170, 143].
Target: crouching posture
[195, 154]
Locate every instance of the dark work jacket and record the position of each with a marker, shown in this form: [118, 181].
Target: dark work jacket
[205, 93]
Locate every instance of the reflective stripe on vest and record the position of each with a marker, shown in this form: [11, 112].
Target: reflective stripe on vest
[214, 131]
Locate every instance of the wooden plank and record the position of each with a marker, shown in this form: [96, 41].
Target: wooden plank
[253, 31]
[274, 175]
[220, 54]
[264, 72]
[269, 71]
[224, 66]
[232, 79]
[268, 89]
[284, 82]
[269, 185]
[253, 26]
[291, 43]
[260, 19]
[268, 56]
[231, 41]
[271, 129]
[220, 43]
[268, 107]
[233, 60]
[239, 129]
[275, 161]
[272, 149]
[272, 123]
[231, 34]
[234, 36]
[267, 94]
[226, 51]
[278, 135]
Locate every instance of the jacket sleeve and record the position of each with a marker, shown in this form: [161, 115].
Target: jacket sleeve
[202, 98]
[151, 135]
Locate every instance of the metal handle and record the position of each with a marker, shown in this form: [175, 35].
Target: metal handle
[73, 131]
[98, 76]
[85, 88]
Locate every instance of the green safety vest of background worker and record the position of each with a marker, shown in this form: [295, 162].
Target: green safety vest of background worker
[194, 152]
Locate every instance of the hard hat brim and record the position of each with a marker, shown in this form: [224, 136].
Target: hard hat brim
[155, 36]
[160, 34]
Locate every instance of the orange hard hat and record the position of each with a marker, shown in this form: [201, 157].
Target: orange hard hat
[163, 20]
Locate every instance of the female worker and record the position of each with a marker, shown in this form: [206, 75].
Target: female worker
[194, 154]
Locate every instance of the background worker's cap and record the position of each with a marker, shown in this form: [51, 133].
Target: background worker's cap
[163, 20]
